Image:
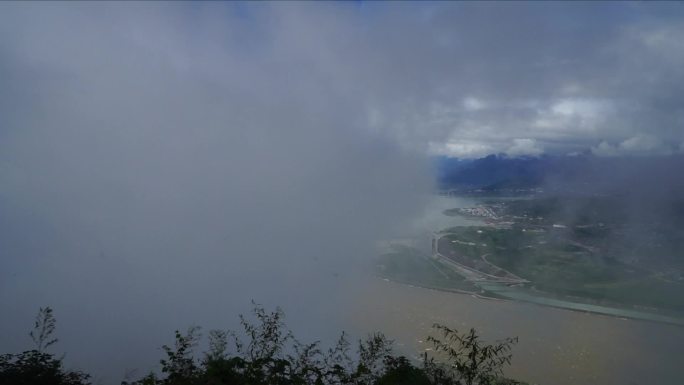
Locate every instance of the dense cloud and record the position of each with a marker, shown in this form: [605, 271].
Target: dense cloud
[162, 165]
[477, 77]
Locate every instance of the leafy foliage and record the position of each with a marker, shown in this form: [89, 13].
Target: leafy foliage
[43, 329]
[270, 354]
[265, 352]
[179, 364]
[469, 358]
[35, 367]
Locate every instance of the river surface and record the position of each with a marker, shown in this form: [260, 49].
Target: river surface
[556, 346]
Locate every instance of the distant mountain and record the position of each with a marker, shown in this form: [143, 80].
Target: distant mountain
[584, 172]
[500, 171]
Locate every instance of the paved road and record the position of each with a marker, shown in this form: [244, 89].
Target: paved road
[470, 273]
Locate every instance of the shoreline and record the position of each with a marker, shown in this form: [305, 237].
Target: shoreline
[635, 316]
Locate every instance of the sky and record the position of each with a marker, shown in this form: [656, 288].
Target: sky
[463, 80]
[162, 164]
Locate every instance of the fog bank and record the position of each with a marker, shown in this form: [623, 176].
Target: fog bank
[163, 165]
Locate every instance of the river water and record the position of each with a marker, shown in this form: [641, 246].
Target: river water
[556, 347]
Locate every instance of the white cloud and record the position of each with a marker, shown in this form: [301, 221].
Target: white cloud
[605, 149]
[574, 115]
[635, 145]
[462, 149]
[644, 144]
[525, 146]
[584, 108]
[473, 104]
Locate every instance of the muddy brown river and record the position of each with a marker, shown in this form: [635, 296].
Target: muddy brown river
[556, 346]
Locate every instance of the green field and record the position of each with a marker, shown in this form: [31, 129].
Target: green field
[561, 266]
[408, 265]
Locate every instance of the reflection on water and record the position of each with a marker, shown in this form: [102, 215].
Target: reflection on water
[557, 346]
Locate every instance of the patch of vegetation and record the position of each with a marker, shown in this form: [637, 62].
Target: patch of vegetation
[452, 212]
[36, 366]
[647, 234]
[267, 353]
[561, 265]
[408, 265]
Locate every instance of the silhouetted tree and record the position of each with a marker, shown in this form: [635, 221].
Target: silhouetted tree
[470, 359]
[266, 353]
[36, 367]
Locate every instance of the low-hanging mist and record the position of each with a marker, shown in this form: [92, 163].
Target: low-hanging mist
[156, 173]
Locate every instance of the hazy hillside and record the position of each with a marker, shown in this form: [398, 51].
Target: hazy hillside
[584, 172]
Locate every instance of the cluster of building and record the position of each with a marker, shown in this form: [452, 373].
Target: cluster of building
[479, 211]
